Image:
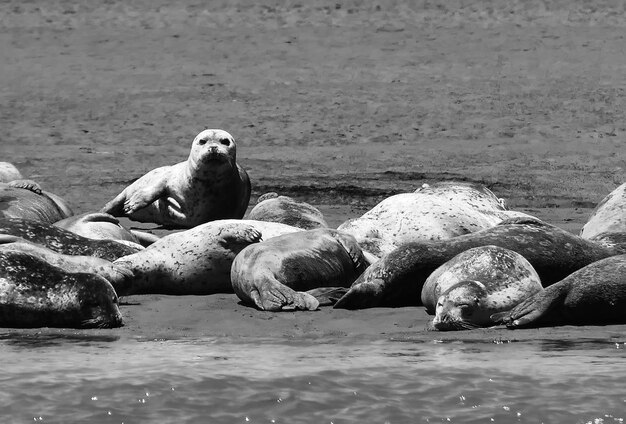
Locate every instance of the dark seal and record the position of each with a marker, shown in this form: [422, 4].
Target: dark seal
[593, 295]
[397, 279]
[63, 241]
[25, 199]
[34, 293]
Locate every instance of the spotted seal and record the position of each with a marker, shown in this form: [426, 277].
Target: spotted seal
[593, 295]
[34, 293]
[274, 275]
[274, 208]
[196, 261]
[397, 279]
[25, 199]
[608, 217]
[209, 185]
[63, 241]
[433, 212]
[465, 291]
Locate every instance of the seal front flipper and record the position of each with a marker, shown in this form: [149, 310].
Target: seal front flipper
[281, 298]
[26, 185]
[535, 309]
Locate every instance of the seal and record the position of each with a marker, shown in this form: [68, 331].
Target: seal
[103, 226]
[497, 268]
[209, 185]
[608, 217]
[397, 278]
[9, 172]
[465, 291]
[25, 199]
[274, 208]
[593, 295]
[69, 263]
[437, 211]
[34, 293]
[275, 274]
[196, 261]
[63, 241]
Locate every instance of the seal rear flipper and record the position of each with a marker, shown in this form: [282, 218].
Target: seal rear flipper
[144, 238]
[26, 185]
[327, 296]
[282, 298]
[519, 220]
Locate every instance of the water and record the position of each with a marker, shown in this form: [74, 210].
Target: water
[71, 377]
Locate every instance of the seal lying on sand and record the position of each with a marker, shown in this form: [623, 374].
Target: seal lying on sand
[609, 216]
[397, 279]
[273, 275]
[63, 241]
[465, 291]
[9, 172]
[25, 199]
[103, 226]
[433, 212]
[196, 261]
[593, 295]
[34, 293]
[209, 185]
[69, 263]
[274, 208]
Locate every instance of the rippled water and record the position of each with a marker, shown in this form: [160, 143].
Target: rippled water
[60, 378]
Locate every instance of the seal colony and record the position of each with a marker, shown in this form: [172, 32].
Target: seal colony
[452, 247]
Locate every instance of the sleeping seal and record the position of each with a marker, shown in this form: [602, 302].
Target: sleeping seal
[397, 279]
[273, 275]
[209, 185]
[25, 199]
[195, 261]
[593, 295]
[433, 212]
[103, 226]
[607, 222]
[34, 293]
[9, 172]
[274, 208]
[63, 241]
[465, 291]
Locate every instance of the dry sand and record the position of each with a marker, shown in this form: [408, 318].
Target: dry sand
[340, 104]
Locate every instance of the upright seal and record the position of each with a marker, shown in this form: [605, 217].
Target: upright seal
[209, 185]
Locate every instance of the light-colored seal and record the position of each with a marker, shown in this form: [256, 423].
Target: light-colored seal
[593, 295]
[435, 211]
[115, 275]
[209, 185]
[25, 199]
[608, 217]
[103, 226]
[397, 279]
[63, 241]
[34, 293]
[9, 172]
[196, 261]
[465, 291]
[274, 208]
[275, 274]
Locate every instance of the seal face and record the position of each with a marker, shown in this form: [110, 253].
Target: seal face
[608, 217]
[465, 291]
[210, 185]
[397, 278]
[25, 199]
[274, 208]
[63, 241]
[196, 261]
[593, 295]
[275, 274]
[34, 293]
[433, 212]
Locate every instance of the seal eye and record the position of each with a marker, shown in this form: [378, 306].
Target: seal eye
[224, 141]
[202, 141]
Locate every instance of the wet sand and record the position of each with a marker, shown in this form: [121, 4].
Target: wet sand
[340, 105]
